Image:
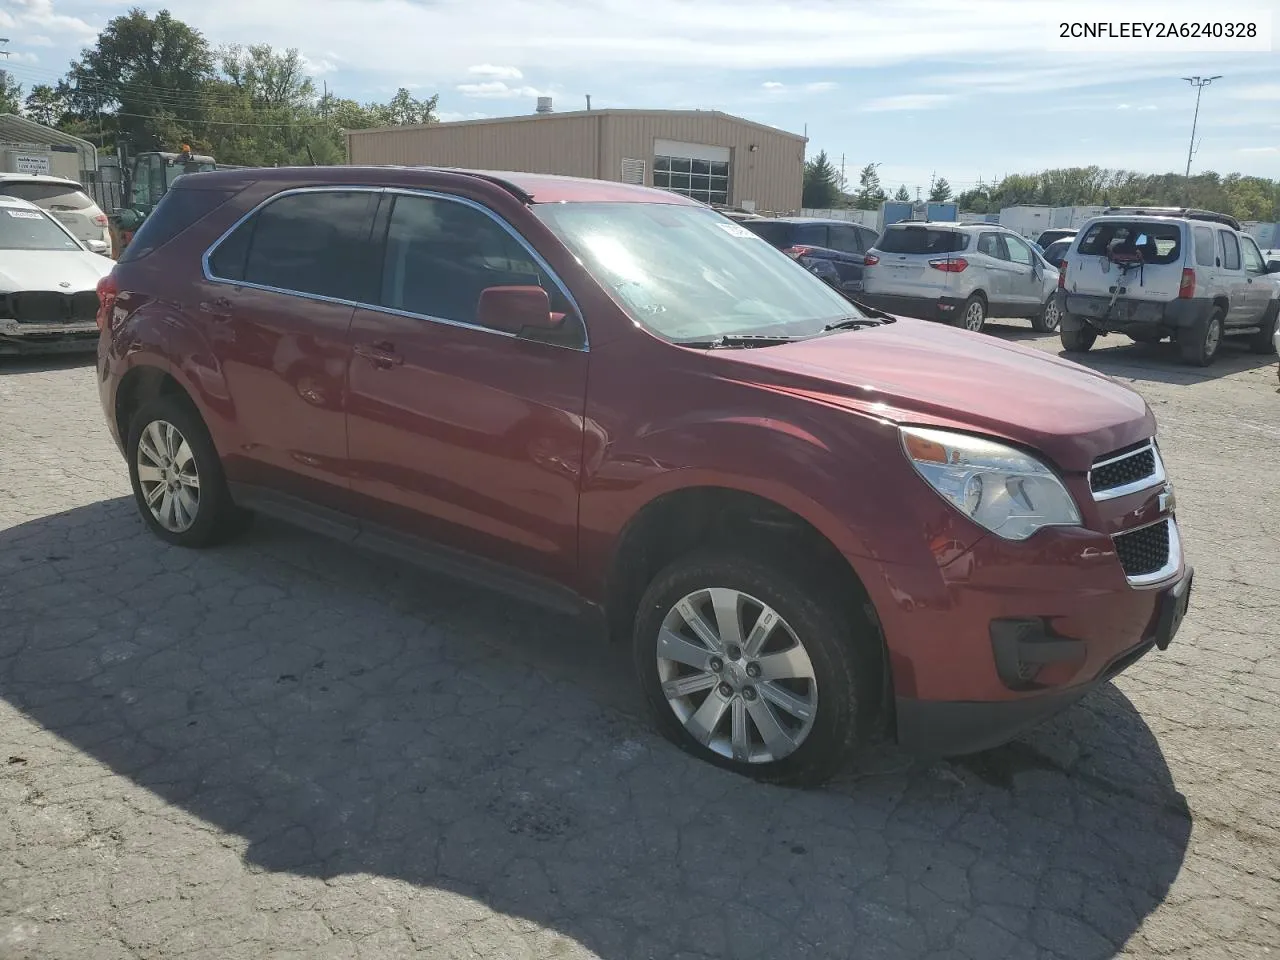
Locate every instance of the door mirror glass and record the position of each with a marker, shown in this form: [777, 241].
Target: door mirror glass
[517, 309]
[1273, 266]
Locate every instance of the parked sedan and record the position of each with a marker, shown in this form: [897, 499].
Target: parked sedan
[48, 282]
[960, 274]
[1057, 250]
[66, 201]
[830, 249]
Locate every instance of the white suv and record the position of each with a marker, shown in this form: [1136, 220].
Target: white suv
[66, 201]
[960, 274]
[1154, 273]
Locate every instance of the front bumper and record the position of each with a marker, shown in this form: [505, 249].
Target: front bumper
[946, 728]
[19, 338]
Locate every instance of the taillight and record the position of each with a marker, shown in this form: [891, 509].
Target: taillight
[1187, 288]
[107, 292]
[870, 260]
[950, 265]
[796, 252]
[1062, 275]
[101, 220]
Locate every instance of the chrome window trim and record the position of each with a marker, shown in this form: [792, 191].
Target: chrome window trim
[1171, 564]
[209, 275]
[1154, 479]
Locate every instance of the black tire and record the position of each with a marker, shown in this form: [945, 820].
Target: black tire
[216, 517]
[1263, 341]
[1050, 316]
[844, 660]
[1079, 340]
[975, 323]
[1199, 343]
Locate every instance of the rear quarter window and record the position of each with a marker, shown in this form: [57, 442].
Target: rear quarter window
[1204, 246]
[778, 234]
[921, 240]
[177, 210]
[1159, 243]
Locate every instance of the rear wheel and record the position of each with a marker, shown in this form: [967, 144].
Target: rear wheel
[1263, 341]
[1199, 342]
[754, 669]
[1079, 340]
[973, 315]
[1050, 317]
[177, 477]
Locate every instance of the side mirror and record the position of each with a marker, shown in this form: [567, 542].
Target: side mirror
[1273, 266]
[98, 246]
[516, 309]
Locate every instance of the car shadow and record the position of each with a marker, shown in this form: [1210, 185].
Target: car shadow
[345, 715]
[65, 359]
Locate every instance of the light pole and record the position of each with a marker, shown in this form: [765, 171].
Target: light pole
[1199, 83]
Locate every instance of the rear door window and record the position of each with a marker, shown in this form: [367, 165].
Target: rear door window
[921, 240]
[314, 243]
[845, 239]
[1158, 243]
[1205, 250]
[1230, 250]
[989, 244]
[813, 234]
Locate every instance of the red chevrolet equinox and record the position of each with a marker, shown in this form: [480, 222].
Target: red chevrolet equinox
[815, 524]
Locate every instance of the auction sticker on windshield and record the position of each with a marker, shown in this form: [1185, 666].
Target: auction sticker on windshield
[735, 230]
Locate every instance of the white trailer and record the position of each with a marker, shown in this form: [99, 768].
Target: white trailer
[1028, 220]
[1071, 218]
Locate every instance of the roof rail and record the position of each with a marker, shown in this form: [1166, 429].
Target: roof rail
[1191, 213]
[522, 195]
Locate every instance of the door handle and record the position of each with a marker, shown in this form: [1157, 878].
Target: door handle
[382, 354]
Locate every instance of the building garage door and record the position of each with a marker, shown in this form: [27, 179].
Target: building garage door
[696, 170]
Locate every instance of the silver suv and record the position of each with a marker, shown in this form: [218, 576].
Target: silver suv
[960, 274]
[65, 201]
[1168, 272]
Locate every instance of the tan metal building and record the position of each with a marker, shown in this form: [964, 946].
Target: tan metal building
[705, 154]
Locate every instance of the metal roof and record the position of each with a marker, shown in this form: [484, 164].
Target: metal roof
[16, 129]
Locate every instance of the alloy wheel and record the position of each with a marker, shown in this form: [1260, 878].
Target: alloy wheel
[168, 476]
[973, 316]
[1212, 336]
[736, 675]
[1052, 315]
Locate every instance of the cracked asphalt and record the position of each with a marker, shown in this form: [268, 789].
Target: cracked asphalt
[282, 748]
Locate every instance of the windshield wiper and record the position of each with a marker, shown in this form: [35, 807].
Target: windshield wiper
[856, 323]
[739, 340]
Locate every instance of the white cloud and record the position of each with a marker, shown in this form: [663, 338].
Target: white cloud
[452, 116]
[497, 90]
[319, 67]
[821, 86]
[909, 101]
[38, 41]
[491, 72]
[1265, 91]
[773, 85]
[40, 14]
[1141, 107]
[1259, 150]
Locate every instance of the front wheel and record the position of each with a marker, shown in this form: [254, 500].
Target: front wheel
[1049, 318]
[177, 477]
[1079, 340]
[1199, 342]
[754, 669]
[1264, 341]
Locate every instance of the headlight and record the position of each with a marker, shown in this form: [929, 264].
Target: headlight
[1011, 494]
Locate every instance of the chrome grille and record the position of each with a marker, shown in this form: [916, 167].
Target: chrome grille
[1144, 551]
[1128, 471]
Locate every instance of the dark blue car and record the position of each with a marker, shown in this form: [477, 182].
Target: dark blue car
[831, 249]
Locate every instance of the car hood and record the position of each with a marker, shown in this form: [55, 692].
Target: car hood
[913, 371]
[69, 271]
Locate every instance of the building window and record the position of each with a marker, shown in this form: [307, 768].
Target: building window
[705, 180]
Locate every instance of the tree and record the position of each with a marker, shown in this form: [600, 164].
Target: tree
[903, 194]
[151, 75]
[405, 110]
[870, 194]
[266, 78]
[10, 94]
[45, 105]
[941, 191]
[821, 183]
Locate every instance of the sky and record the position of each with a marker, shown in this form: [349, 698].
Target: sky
[969, 90]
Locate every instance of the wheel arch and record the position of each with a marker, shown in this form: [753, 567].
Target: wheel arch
[140, 385]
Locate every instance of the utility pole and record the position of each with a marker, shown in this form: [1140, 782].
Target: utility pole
[1199, 83]
[4, 74]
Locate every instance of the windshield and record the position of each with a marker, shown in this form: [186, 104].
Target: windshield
[22, 228]
[689, 274]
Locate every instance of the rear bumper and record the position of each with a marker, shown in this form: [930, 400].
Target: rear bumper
[922, 308]
[1131, 314]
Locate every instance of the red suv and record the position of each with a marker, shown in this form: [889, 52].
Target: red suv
[816, 525]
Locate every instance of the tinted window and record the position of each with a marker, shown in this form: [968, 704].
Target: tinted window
[315, 242]
[51, 196]
[867, 237]
[989, 244]
[775, 232]
[814, 234]
[845, 239]
[1157, 242]
[921, 240]
[1230, 251]
[1057, 250]
[441, 254]
[27, 229]
[177, 210]
[1252, 258]
[1205, 252]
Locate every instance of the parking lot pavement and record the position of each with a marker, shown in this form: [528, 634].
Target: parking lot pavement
[284, 749]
